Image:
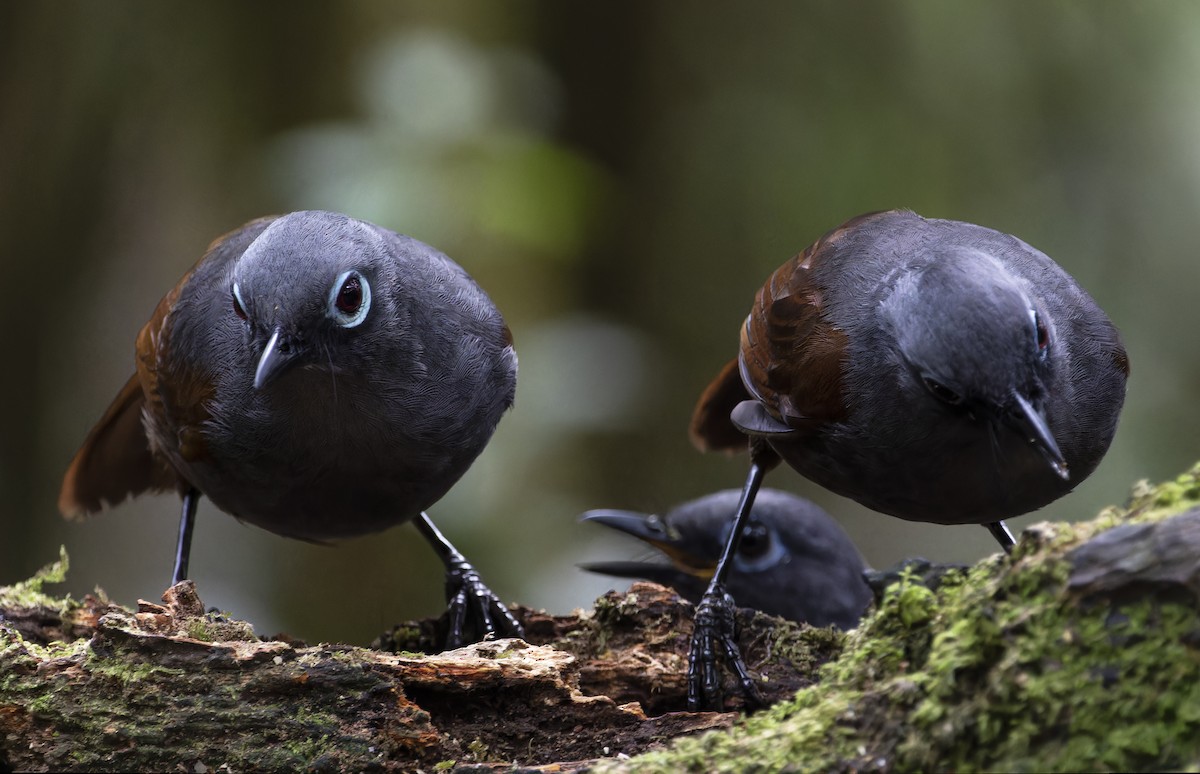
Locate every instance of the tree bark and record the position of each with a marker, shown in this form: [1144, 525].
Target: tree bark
[1081, 650]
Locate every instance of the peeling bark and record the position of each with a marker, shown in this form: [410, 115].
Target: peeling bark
[1080, 651]
[170, 685]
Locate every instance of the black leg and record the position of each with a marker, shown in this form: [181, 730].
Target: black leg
[187, 522]
[1000, 531]
[466, 595]
[715, 622]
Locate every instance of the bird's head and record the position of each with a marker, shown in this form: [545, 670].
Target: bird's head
[309, 292]
[975, 341]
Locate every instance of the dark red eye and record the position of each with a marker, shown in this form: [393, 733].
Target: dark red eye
[350, 297]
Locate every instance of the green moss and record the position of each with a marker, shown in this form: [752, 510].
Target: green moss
[1000, 668]
[804, 646]
[1150, 503]
[12, 643]
[308, 750]
[478, 750]
[126, 672]
[29, 593]
[123, 707]
[610, 612]
[199, 629]
[785, 737]
[394, 640]
[20, 683]
[1041, 685]
[218, 627]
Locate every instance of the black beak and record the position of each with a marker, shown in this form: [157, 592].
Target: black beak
[279, 353]
[652, 530]
[1030, 423]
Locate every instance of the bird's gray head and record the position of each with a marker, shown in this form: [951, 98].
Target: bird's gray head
[974, 340]
[311, 284]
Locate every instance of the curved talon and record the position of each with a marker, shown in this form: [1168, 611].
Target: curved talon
[475, 612]
[715, 622]
[456, 612]
[703, 685]
[509, 621]
[484, 618]
[749, 688]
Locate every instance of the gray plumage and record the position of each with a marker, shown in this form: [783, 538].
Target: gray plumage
[319, 377]
[372, 423]
[961, 312]
[931, 370]
[976, 380]
[793, 561]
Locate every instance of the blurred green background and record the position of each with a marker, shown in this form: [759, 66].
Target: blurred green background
[620, 177]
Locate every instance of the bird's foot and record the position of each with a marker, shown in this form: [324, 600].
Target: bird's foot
[716, 628]
[474, 611]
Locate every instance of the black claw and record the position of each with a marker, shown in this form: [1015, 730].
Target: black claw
[715, 622]
[716, 625]
[456, 615]
[473, 611]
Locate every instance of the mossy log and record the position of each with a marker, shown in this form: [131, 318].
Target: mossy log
[1080, 651]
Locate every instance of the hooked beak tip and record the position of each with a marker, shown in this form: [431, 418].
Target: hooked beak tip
[272, 361]
[1033, 425]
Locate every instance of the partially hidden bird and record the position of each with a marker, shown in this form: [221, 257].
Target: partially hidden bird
[319, 377]
[932, 370]
[793, 559]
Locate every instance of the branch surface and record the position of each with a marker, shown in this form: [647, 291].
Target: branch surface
[1081, 650]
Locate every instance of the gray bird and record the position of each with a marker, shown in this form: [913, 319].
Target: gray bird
[931, 370]
[319, 377]
[793, 560]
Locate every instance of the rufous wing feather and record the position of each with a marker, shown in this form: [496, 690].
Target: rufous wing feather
[791, 356]
[115, 461]
[711, 428]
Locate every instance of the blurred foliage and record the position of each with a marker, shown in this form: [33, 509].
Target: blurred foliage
[620, 177]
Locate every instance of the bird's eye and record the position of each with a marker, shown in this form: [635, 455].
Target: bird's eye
[942, 392]
[1041, 334]
[760, 549]
[239, 308]
[350, 299]
[756, 541]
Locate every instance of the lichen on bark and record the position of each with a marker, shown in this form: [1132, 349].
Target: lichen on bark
[1080, 651]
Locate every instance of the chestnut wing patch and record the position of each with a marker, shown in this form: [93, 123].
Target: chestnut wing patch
[115, 461]
[118, 460]
[792, 356]
[711, 428]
